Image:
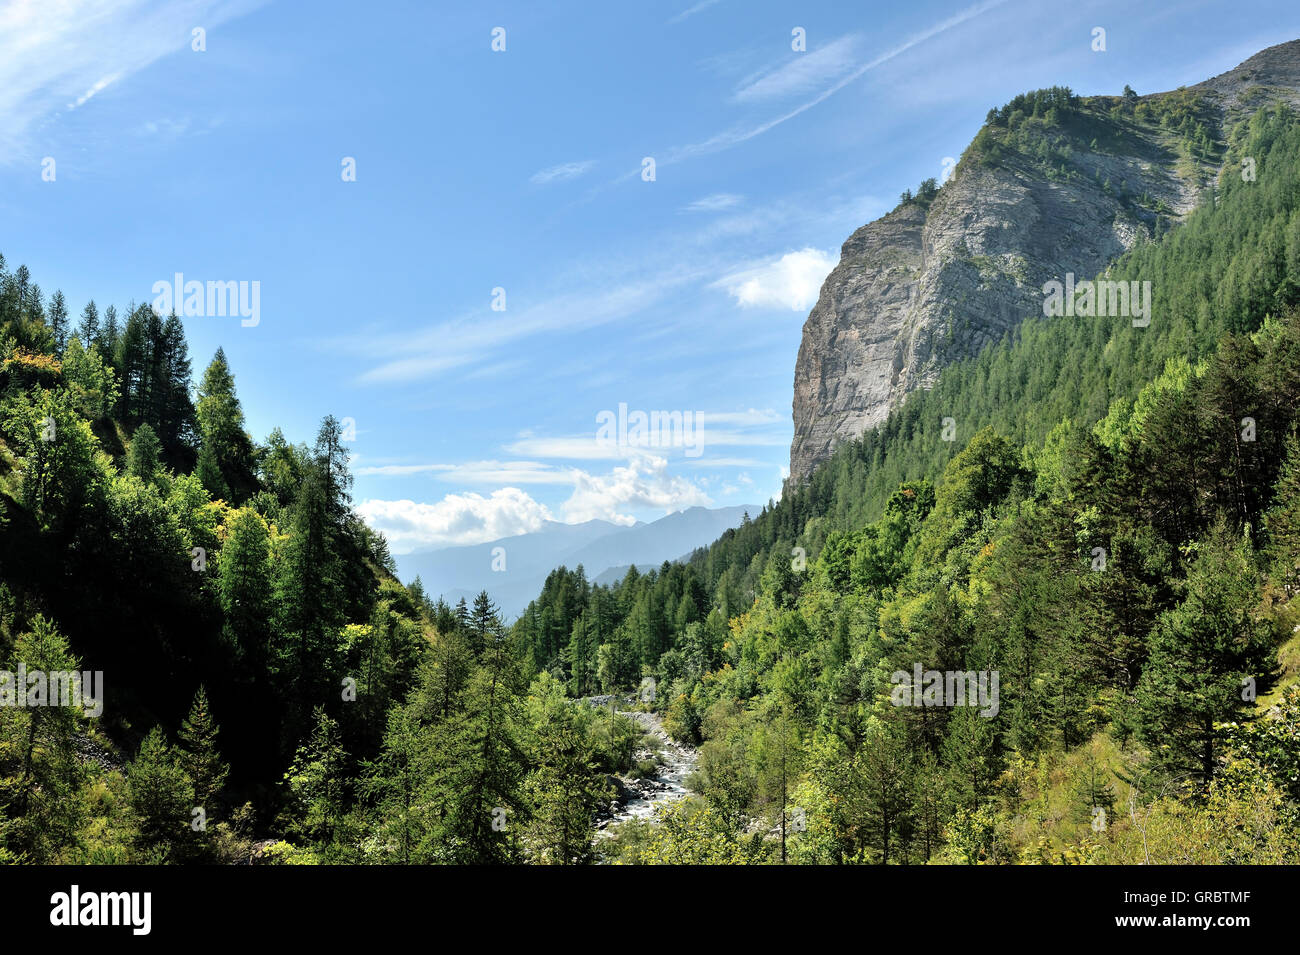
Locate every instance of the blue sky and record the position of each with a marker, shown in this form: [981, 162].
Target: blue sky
[522, 170]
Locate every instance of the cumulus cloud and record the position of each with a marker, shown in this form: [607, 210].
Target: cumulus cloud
[792, 281]
[644, 483]
[457, 519]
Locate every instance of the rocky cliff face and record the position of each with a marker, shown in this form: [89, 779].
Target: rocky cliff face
[921, 287]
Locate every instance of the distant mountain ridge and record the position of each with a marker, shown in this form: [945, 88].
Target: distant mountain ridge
[599, 546]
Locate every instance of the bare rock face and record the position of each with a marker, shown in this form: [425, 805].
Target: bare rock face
[919, 288]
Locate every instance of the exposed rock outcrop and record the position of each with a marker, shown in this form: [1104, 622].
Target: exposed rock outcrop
[921, 287]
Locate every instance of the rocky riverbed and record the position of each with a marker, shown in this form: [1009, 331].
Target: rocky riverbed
[639, 798]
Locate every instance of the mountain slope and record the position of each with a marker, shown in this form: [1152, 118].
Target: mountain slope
[1052, 185]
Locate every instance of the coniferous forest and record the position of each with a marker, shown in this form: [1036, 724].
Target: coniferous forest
[1114, 528]
[1026, 595]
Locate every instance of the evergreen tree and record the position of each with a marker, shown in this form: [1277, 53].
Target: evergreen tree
[317, 782]
[58, 318]
[107, 338]
[308, 596]
[162, 797]
[1282, 522]
[398, 783]
[244, 586]
[199, 756]
[484, 623]
[41, 773]
[88, 331]
[565, 785]
[173, 414]
[208, 470]
[482, 766]
[1202, 653]
[332, 462]
[221, 429]
[143, 458]
[132, 360]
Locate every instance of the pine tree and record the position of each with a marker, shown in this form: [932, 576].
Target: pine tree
[1202, 653]
[1282, 522]
[88, 331]
[886, 762]
[244, 587]
[565, 785]
[221, 429]
[131, 360]
[209, 472]
[108, 337]
[332, 460]
[308, 594]
[143, 458]
[398, 784]
[317, 782]
[482, 766]
[173, 413]
[162, 797]
[443, 678]
[59, 321]
[41, 772]
[484, 623]
[199, 756]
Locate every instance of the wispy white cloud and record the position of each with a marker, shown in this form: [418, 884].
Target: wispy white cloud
[400, 470]
[801, 72]
[475, 472]
[168, 128]
[747, 418]
[791, 281]
[100, 85]
[743, 483]
[743, 133]
[714, 203]
[612, 288]
[691, 11]
[508, 472]
[710, 430]
[724, 462]
[58, 56]
[470, 338]
[563, 172]
[582, 447]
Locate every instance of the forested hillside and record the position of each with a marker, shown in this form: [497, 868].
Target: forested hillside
[264, 674]
[1109, 519]
[1111, 527]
